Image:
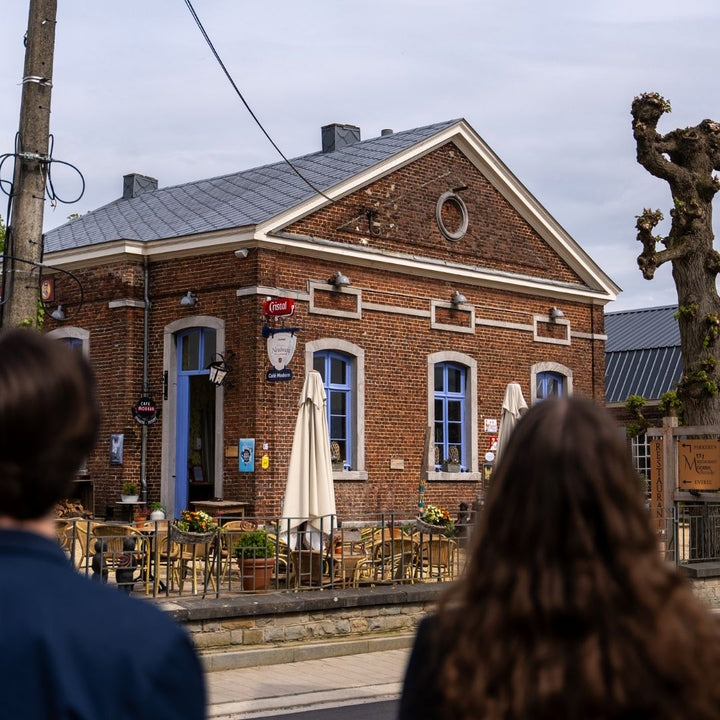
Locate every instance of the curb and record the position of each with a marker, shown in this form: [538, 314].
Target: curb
[233, 659]
[305, 702]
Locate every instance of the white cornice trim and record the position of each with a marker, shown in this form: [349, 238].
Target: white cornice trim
[439, 269]
[186, 246]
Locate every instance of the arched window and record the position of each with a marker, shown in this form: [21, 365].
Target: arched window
[76, 338]
[549, 384]
[336, 369]
[450, 430]
[550, 379]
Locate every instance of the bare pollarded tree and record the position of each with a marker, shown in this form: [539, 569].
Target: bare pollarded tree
[686, 159]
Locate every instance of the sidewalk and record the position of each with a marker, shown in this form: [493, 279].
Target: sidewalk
[308, 685]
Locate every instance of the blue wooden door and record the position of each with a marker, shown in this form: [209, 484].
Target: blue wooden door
[195, 431]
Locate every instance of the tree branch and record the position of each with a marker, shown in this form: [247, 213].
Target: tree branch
[647, 109]
[650, 259]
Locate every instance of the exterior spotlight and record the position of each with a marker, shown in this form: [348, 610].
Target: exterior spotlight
[58, 313]
[241, 253]
[339, 280]
[189, 299]
[458, 298]
[556, 313]
[218, 370]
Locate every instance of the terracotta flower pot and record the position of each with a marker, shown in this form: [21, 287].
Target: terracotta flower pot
[256, 573]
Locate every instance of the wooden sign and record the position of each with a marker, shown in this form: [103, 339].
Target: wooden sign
[657, 482]
[699, 464]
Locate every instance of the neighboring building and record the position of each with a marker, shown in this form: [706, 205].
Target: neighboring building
[642, 357]
[425, 277]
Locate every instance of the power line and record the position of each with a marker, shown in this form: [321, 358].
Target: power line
[249, 109]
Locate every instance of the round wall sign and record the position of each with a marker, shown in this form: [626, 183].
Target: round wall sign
[145, 411]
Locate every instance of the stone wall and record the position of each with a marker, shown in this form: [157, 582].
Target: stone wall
[226, 633]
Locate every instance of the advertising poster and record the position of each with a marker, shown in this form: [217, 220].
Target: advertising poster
[246, 454]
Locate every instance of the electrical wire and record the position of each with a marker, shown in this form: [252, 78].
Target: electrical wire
[50, 188]
[245, 103]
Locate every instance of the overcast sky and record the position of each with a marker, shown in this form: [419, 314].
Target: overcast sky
[548, 85]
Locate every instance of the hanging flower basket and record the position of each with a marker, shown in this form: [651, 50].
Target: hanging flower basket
[186, 537]
[194, 526]
[435, 520]
[430, 529]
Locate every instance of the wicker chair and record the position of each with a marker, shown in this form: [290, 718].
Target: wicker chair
[391, 557]
[229, 534]
[115, 553]
[437, 558]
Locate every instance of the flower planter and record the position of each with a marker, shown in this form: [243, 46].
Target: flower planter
[129, 498]
[256, 573]
[185, 537]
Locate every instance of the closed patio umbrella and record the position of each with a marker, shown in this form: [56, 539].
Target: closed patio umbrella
[513, 406]
[310, 493]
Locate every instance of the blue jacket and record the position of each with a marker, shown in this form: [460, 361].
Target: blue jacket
[74, 648]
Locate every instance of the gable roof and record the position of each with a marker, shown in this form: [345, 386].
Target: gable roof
[252, 207]
[248, 197]
[642, 353]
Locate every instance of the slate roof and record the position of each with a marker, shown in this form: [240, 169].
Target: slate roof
[243, 198]
[642, 353]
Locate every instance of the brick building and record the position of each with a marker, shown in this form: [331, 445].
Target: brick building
[424, 277]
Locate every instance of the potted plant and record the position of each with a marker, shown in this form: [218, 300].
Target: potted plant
[157, 511]
[255, 553]
[129, 492]
[449, 465]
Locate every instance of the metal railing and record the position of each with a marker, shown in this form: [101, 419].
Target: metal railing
[233, 559]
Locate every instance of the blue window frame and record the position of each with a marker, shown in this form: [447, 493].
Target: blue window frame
[549, 384]
[336, 371]
[73, 343]
[450, 425]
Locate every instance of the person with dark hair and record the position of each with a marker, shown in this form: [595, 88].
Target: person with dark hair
[70, 647]
[566, 608]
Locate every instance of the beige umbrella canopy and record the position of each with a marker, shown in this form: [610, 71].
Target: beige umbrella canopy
[310, 493]
[513, 406]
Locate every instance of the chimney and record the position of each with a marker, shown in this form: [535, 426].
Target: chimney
[135, 184]
[336, 136]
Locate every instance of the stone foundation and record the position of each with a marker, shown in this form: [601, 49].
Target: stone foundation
[230, 632]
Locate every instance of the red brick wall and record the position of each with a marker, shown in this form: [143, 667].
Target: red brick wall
[396, 345]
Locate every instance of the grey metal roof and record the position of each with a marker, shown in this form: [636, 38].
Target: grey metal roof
[642, 329]
[239, 199]
[642, 353]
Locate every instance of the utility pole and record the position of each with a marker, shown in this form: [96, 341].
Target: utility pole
[23, 245]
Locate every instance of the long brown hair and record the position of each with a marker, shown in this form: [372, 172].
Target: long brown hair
[567, 609]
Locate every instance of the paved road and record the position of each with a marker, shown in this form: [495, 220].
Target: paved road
[377, 711]
[357, 681]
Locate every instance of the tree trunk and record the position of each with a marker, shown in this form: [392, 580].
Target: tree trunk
[685, 159]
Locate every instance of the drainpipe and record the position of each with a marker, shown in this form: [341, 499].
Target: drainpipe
[592, 349]
[144, 428]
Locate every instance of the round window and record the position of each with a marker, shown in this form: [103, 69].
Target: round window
[452, 216]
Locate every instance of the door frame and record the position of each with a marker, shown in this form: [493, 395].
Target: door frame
[169, 415]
